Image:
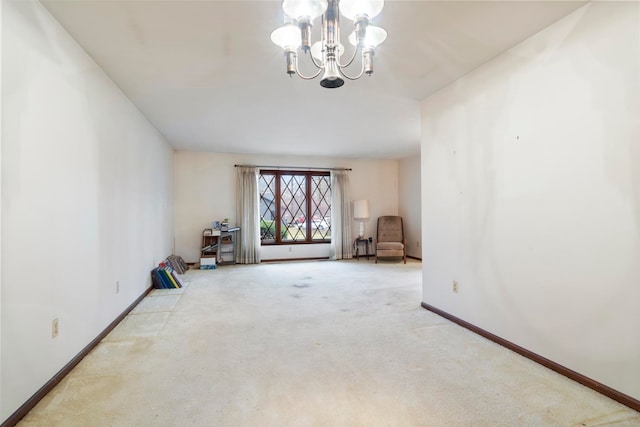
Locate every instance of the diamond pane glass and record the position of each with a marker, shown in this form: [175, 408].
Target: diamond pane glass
[321, 208]
[267, 187]
[293, 207]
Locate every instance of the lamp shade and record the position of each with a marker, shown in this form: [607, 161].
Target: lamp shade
[300, 9]
[374, 37]
[361, 209]
[287, 37]
[352, 8]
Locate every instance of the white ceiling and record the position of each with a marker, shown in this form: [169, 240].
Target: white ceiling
[208, 77]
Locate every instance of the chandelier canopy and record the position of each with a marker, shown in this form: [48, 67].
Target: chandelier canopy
[326, 53]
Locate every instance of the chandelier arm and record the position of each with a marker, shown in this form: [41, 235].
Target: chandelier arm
[355, 52]
[302, 76]
[356, 77]
[317, 65]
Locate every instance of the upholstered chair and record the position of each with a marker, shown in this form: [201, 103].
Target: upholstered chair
[390, 241]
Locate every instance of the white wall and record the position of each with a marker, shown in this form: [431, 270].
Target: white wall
[1, 6]
[531, 175]
[87, 200]
[409, 197]
[205, 186]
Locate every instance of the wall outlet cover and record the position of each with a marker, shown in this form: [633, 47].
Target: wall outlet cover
[54, 328]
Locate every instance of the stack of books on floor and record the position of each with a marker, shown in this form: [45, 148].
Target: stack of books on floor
[165, 276]
[178, 264]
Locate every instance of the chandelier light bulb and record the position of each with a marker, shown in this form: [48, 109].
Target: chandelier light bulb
[351, 9]
[287, 37]
[299, 9]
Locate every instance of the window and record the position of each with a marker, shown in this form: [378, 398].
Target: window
[295, 207]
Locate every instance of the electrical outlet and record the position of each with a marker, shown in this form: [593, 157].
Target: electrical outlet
[418, 244]
[54, 328]
[455, 287]
[117, 286]
[290, 249]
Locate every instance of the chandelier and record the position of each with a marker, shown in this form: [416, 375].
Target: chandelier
[326, 54]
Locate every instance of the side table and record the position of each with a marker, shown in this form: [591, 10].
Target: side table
[356, 245]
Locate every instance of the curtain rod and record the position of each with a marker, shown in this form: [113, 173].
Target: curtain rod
[292, 168]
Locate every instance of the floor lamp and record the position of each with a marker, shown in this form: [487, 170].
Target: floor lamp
[361, 213]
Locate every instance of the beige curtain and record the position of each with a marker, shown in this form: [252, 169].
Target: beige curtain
[248, 212]
[341, 218]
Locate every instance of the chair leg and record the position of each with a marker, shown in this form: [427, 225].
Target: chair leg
[375, 250]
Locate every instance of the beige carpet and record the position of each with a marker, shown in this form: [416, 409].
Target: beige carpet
[310, 344]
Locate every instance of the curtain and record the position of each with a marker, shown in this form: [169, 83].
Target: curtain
[341, 243]
[248, 212]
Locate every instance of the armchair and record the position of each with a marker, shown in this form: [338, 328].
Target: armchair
[390, 241]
